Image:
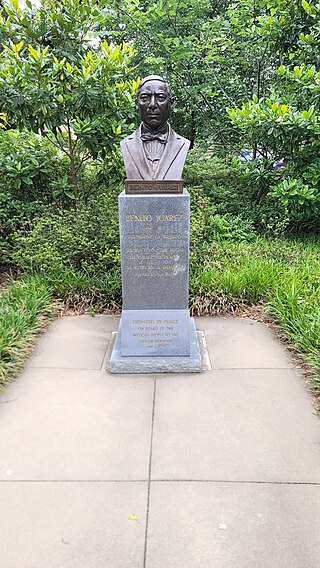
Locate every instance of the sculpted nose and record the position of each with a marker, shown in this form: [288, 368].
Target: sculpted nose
[152, 102]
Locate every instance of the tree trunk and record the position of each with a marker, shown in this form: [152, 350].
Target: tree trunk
[192, 129]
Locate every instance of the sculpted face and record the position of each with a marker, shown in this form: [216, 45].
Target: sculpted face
[154, 103]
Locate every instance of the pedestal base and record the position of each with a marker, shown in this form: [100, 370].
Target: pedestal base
[192, 364]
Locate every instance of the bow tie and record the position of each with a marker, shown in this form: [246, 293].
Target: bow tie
[148, 136]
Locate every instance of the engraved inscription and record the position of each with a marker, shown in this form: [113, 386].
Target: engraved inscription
[155, 333]
[150, 253]
[138, 217]
[155, 261]
[153, 187]
[174, 217]
[154, 237]
[170, 217]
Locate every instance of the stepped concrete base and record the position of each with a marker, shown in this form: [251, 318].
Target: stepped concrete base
[193, 364]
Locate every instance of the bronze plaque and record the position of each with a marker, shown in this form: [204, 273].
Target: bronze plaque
[138, 187]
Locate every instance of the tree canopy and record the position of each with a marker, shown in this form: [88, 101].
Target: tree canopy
[245, 74]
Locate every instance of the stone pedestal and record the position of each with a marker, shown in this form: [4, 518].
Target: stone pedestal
[156, 333]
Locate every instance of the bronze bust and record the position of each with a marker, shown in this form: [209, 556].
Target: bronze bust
[154, 151]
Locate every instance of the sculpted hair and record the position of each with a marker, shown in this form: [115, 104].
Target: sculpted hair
[155, 78]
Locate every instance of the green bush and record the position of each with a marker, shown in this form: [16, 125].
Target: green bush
[221, 181]
[282, 202]
[28, 164]
[84, 240]
[15, 215]
[251, 193]
[31, 168]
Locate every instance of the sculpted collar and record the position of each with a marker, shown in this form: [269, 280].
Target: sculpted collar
[161, 134]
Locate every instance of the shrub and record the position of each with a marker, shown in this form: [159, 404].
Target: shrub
[83, 240]
[15, 215]
[28, 164]
[221, 181]
[267, 199]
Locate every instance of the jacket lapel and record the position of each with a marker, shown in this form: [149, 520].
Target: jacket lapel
[136, 151]
[173, 147]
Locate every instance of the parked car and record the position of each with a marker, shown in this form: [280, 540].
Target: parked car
[248, 156]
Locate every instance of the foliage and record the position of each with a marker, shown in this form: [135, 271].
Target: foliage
[31, 170]
[81, 95]
[207, 225]
[286, 125]
[219, 187]
[296, 305]
[214, 53]
[15, 215]
[86, 240]
[24, 309]
[28, 165]
[82, 291]
[220, 181]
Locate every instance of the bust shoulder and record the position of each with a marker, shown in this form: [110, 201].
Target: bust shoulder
[134, 135]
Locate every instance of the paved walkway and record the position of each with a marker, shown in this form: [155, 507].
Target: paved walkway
[213, 470]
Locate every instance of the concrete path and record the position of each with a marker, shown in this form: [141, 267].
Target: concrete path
[212, 470]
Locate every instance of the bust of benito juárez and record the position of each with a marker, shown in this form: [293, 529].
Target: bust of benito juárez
[154, 151]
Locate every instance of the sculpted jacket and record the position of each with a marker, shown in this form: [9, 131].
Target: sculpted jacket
[170, 164]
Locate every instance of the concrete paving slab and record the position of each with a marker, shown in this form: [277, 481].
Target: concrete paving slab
[75, 446]
[236, 343]
[74, 343]
[252, 425]
[60, 424]
[216, 525]
[72, 525]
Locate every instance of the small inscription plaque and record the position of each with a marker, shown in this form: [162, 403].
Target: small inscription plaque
[136, 187]
[155, 333]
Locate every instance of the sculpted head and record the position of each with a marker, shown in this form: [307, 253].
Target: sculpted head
[154, 101]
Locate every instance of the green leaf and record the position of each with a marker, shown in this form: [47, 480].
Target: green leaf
[305, 5]
[33, 52]
[27, 180]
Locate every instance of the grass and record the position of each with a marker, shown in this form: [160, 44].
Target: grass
[83, 292]
[297, 309]
[25, 306]
[282, 276]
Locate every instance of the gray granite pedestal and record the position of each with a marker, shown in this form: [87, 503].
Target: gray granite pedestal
[164, 364]
[156, 333]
